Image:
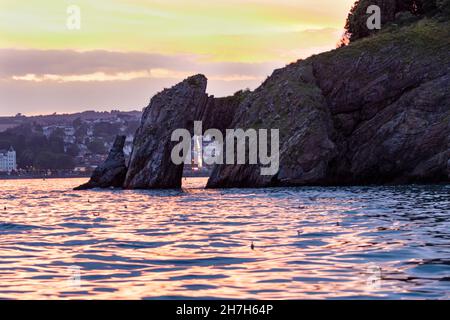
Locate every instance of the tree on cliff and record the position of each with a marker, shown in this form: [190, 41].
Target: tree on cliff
[356, 25]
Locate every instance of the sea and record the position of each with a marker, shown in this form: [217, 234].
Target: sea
[375, 242]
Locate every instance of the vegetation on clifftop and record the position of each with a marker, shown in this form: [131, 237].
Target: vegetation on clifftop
[393, 13]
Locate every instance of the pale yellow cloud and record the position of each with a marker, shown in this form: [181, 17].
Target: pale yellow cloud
[126, 76]
[222, 30]
[97, 76]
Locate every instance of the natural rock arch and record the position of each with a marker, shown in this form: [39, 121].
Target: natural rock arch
[150, 165]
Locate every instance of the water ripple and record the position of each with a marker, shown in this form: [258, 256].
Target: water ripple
[349, 242]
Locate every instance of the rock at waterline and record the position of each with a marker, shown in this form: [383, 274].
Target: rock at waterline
[374, 112]
[178, 107]
[175, 108]
[112, 172]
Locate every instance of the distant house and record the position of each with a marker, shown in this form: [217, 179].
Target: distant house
[47, 130]
[8, 160]
[69, 132]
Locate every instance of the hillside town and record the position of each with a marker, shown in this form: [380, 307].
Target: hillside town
[61, 145]
[73, 145]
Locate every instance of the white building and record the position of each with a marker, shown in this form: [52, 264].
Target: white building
[68, 130]
[8, 160]
[205, 148]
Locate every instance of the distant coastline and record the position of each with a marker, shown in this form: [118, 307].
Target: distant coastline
[34, 177]
[186, 174]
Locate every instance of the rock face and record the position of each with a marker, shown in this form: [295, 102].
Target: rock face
[291, 102]
[150, 164]
[112, 172]
[375, 112]
[175, 108]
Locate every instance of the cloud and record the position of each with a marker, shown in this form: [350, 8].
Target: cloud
[36, 81]
[126, 76]
[126, 51]
[39, 81]
[175, 26]
[31, 98]
[101, 65]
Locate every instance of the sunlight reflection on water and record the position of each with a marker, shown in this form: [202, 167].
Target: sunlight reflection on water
[352, 242]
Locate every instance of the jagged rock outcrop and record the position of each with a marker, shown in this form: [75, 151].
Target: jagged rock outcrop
[375, 112]
[150, 164]
[291, 102]
[112, 172]
[390, 106]
[175, 108]
[219, 112]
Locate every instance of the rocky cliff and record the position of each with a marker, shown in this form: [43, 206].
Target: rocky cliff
[175, 108]
[112, 172]
[374, 112]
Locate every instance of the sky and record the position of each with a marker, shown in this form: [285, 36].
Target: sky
[126, 51]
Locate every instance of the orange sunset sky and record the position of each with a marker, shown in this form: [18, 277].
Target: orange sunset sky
[126, 51]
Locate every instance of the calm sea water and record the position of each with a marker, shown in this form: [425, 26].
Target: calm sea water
[355, 242]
